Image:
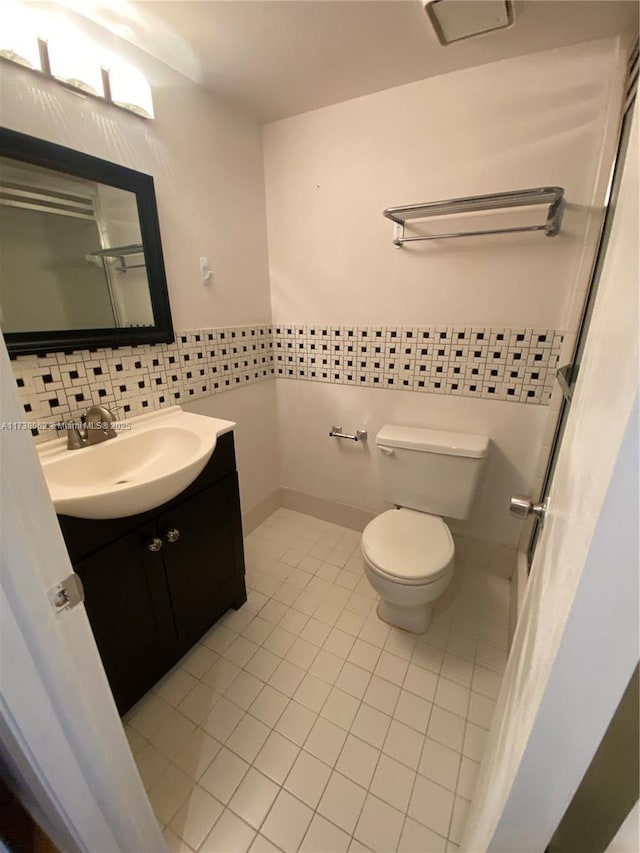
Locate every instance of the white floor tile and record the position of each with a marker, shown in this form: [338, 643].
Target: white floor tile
[279, 641]
[197, 704]
[393, 783]
[254, 797]
[467, 778]
[223, 775]
[421, 681]
[481, 710]
[302, 653]
[263, 845]
[307, 778]
[263, 664]
[340, 708]
[258, 630]
[371, 725]
[312, 692]
[325, 741]
[353, 680]
[342, 801]
[323, 837]
[404, 744]
[248, 737]
[287, 822]
[268, 705]
[453, 697]
[168, 792]
[315, 631]
[276, 757]
[358, 761]
[229, 834]
[431, 805]
[379, 825]
[413, 711]
[244, 689]
[222, 719]
[446, 728]
[220, 676]
[416, 838]
[196, 816]
[306, 677]
[440, 764]
[175, 844]
[175, 686]
[296, 722]
[485, 681]
[151, 764]
[391, 668]
[475, 739]
[339, 643]
[364, 655]
[197, 754]
[382, 694]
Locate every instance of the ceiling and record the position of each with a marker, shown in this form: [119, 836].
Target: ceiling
[277, 58]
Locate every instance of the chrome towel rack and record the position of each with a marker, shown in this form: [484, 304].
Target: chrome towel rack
[336, 432]
[551, 196]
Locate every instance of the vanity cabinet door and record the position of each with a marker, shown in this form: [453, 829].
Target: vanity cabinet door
[128, 606]
[204, 562]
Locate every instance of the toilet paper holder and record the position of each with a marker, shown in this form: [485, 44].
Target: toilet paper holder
[336, 432]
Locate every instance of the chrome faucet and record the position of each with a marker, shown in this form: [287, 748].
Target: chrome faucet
[97, 428]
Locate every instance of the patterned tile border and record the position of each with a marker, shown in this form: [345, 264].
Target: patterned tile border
[133, 380]
[517, 365]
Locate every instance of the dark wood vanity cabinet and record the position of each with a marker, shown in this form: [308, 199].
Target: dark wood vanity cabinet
[156, 582]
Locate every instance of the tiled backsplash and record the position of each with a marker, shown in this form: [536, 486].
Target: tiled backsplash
[505, 364]
[494, 363]
[133, 380]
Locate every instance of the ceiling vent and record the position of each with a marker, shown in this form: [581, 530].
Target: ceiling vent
[455, 20]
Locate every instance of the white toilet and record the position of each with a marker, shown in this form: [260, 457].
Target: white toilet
[408, 551]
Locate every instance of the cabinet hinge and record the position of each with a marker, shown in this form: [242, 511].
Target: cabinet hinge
[66, 594]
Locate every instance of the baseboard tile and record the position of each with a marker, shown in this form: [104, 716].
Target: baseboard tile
[254, 517]
[337, 513]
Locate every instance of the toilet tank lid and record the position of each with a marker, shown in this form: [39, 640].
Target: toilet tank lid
[433, 441]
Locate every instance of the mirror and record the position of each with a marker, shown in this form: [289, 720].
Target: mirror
[80, 254]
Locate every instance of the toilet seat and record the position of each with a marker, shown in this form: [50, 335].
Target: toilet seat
[408, 547]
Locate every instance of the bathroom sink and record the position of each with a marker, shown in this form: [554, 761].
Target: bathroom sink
[149, 462]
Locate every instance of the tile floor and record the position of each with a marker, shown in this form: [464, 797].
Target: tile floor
[303, 723]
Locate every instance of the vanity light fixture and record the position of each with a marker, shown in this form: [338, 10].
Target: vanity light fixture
[129, 89]
[75, 61]
[19, 37]
[62, 52]
[455, 20]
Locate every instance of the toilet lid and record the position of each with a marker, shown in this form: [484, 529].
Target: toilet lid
[407, 545]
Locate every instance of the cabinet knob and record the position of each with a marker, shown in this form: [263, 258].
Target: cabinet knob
[154, 544]
[172, 535]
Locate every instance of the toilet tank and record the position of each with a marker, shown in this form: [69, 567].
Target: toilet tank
[430, 470]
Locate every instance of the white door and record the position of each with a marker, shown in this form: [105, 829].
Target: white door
[576, 644]
[62, 744]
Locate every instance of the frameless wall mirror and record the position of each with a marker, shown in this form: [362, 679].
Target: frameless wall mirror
[80, 254]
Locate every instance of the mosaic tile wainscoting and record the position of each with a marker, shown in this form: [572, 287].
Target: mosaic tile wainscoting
[512, 364]
[133, 380]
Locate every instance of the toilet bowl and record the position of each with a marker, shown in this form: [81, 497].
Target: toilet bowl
[409, 560]
[408, 552]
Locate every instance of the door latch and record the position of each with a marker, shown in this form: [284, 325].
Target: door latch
[67, 593]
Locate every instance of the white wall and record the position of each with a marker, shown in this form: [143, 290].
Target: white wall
[206, 161]
[541, 119]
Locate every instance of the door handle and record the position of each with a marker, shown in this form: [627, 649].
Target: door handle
[521, 506]
[154, 544]
[172, 534]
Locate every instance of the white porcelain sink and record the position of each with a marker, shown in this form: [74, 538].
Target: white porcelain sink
[144, 466]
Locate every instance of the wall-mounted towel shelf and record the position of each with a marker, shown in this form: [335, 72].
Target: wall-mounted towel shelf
[121, 252]
[551, 196]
